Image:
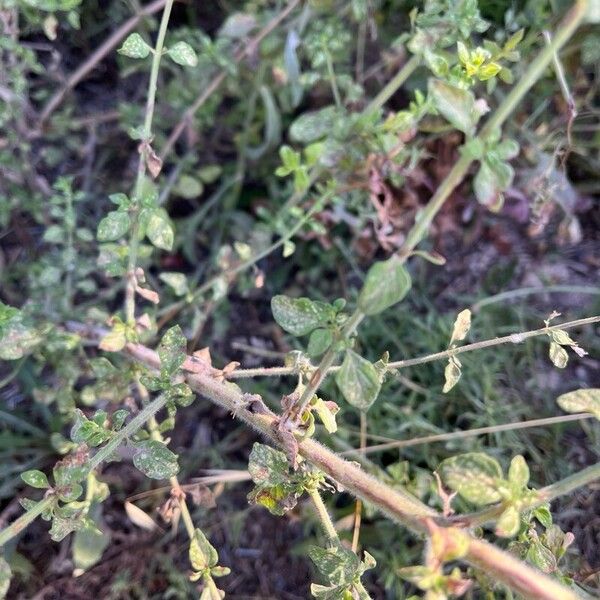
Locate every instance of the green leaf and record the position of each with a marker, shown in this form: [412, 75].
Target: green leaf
[509, 522]
[113, 227]
[475, 476]
[313, 125]
[452, 374]
[172, 351]
[209, 173]
[487, 188]
[541, 557]
[290, 159]
[456, 105]
[5, 577]
[562, 338]
[202, 554]
[583, 400]
[268, 466]
[338, 564]
[514, 40]
[155, 460]
[275, 488]
[518, 472]
[189, 187]
[387, 283]
[35, 479]
[159, 229]
[183, 54]
[319, 341]
[300, 316]
[134, 47]
[90, 542]
[558, 355]
[358, 380]
[17, 336]
[176, 281]
[88, 432]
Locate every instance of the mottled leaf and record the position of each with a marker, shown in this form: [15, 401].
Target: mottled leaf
[155, 460]
[114, 226]
[475, 476]
[35, 479]
[183, 54]
[134, 47]
[583, 400]
[358, 380]
[387, 283]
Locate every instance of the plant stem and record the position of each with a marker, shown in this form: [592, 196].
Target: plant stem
[513, 338]
[323, 514]
[516, 574]
[398, 505]
[8, 533]
[136, 423]
[332, 81]
[155, 434]
[321, 372]
[141, 171]
[570, 483]
[393, 85]
[358, 506]
[444, 437]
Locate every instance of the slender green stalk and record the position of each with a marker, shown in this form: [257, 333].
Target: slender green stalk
[323, 514]
[141, 171]
[332, 81]
[529, 291]
[454, 435]
[393, 85]
[136, 423]
[24, 520]
[513, 338]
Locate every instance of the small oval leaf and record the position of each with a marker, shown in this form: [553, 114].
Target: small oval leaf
[584, 400]
[387, 282]
[155, 460]
[475, 476]
[358, 380]
[35, 479]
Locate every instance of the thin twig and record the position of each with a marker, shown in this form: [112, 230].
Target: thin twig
[444, 437]
[513, 338]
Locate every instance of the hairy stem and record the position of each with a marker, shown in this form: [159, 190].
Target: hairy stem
[398, 505]
[323, 514]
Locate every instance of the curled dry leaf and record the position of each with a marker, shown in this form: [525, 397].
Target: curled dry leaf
[139, 517]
